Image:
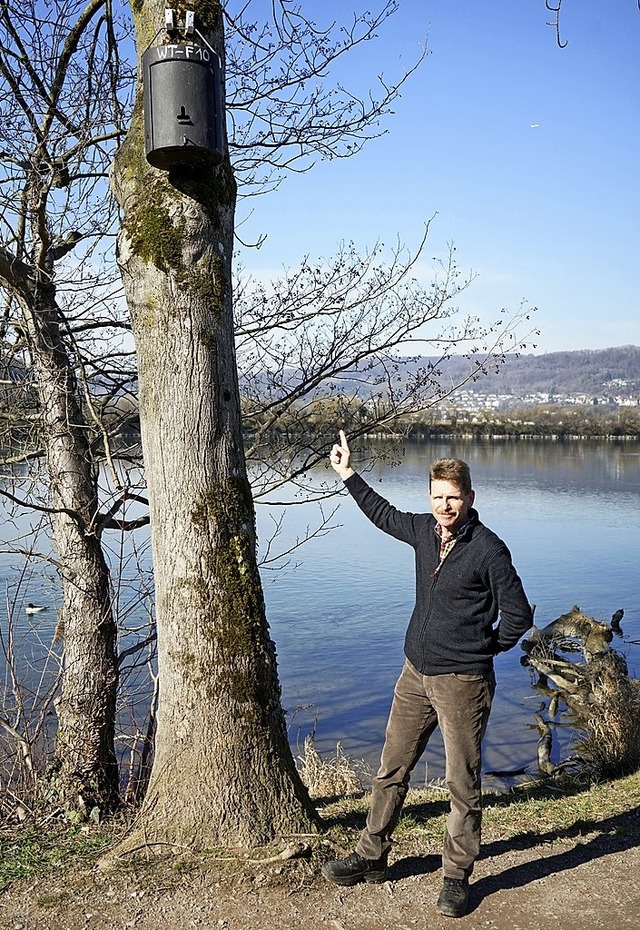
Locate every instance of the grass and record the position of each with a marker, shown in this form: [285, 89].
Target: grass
[33, 851]
[335, 776]
[532, 815]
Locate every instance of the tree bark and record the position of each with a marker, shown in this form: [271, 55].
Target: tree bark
[84, 772]
[223, 771]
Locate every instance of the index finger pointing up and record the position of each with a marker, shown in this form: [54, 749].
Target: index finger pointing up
[343, 440]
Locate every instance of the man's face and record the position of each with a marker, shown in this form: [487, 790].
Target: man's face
[449, 505]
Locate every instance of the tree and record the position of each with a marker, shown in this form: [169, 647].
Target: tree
[223, 772]
[59, 82]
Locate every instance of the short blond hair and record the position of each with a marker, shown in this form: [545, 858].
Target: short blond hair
[454, 470]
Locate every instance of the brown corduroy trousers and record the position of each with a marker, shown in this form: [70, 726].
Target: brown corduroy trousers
[460, 706]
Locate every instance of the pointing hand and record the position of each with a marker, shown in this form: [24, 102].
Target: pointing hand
[340, 457]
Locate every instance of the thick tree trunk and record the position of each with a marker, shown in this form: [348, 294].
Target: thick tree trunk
[223, 772]
[84, 771]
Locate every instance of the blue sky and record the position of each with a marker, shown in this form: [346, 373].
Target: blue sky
[527, 154]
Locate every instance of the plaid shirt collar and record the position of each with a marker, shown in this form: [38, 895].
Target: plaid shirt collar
[446, 545]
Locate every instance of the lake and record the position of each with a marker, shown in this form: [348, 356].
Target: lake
[569, 512]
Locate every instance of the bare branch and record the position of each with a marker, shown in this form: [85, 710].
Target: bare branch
[555, 7]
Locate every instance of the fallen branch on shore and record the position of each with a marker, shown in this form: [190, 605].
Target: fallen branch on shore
[601, 700]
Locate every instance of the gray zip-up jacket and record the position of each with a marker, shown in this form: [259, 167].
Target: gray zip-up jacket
[451, 629]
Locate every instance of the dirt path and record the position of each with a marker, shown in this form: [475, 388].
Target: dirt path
[582, 882]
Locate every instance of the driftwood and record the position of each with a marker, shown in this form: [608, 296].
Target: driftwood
[602, 702]
[573, 632]
[545, 743]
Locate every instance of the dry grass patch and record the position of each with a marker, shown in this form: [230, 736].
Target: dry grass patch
[337, 776]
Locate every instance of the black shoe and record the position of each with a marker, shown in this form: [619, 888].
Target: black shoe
[355, 868]
[453, 900]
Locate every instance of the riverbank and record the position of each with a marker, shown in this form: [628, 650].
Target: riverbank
[554, 856]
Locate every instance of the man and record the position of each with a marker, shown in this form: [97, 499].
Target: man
[465, 580]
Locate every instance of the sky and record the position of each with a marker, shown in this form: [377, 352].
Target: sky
[525, 153]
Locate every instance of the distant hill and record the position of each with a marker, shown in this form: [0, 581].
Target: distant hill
[597, 372]
[582, 371]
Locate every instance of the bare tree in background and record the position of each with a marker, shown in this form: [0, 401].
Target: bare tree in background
[322, 346]
[327, 342]
[62, 96]
[287, 108]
